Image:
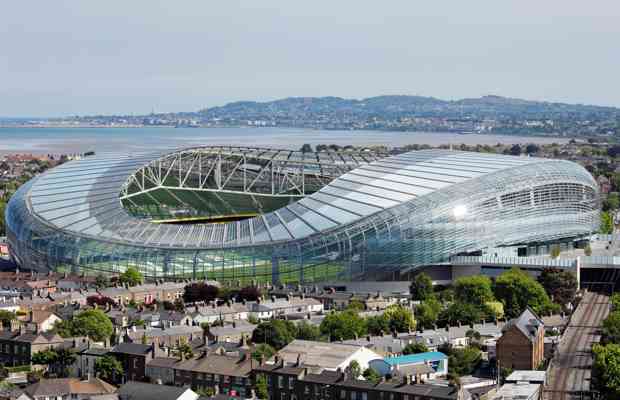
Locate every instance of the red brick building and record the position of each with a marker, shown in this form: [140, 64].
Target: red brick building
[522, 345]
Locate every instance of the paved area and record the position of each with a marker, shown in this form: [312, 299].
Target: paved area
[570, 374]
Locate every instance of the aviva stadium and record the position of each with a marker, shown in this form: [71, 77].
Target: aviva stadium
[264, 215]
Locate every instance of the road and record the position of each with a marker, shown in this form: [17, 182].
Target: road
[571, 369]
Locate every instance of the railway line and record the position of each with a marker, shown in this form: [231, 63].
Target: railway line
[570, 373]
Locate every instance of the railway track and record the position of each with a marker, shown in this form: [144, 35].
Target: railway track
[569, 376]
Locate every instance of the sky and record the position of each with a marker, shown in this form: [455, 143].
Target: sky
[68, 57]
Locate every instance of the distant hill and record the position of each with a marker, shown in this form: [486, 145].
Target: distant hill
[395, 106]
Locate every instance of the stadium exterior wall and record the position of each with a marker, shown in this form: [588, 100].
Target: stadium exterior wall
[536, 202]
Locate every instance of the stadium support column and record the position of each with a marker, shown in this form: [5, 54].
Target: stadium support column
[275, 269]
[578, 272]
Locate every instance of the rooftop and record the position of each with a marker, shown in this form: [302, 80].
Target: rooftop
[416, 358]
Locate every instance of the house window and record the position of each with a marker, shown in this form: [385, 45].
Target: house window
[283, 396]
[217, 378]
[291, 383]
[280, 382]
[365, 396]
[353, 395]
[209, 377]
[343, 394]
[307, 389]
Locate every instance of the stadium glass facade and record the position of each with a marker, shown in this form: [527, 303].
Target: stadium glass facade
[278, 216]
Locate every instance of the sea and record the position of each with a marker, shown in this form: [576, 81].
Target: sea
[81, 140]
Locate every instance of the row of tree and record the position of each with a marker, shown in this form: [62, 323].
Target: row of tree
[606, 368]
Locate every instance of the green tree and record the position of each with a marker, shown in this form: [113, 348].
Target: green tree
[131, 276]
[462, 361]
[356, 305]
[465, 313]
[475, 289]
[343, 325]
[607, 223]
[612, 202]
[427, 313]
[306, 148]
[421, 287]
[45, 357]
[263, 351]
[415, 348]
[276, 333]
[517, 290]
[92, 323]
[560, 285]
[611, 328]
[102, 281]
[6, 317]
[307, 331]
[262, 390]
[64, 359]
[354, 369]
[372, 376]
[108, 368]
[399, 318]
[606, 369]
[377, 325]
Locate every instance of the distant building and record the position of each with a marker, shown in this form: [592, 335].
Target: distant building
[522, 344]
[148, 391]
[69, 389]
[421, 366]
[328, 356]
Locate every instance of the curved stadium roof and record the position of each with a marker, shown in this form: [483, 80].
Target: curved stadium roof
[82, 197]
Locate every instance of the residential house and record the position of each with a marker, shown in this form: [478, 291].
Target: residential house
[68, 389]
[86, 357]
[41, 320]
[230, 375]
[18, 346]
[227, 312]
[134, 357]
[169, 337]
[522, 344]
[230, 333]
[329, 356]
[148, 391]
[420, 366]
[161, 369]
[168, 319]
[285, 307]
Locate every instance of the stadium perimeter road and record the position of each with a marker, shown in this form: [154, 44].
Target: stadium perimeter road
[570, 374]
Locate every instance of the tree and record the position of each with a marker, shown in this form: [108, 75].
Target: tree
[399, 318]
[415, 348]
[131, 276]
[462, 361]
[306, 148]
[517, 290]
[427, 313]
[464, 313]
[45, 357]
[102, 281]
[560, 285]
[532, 148]
[356, 305]
[6, 317]
[92, 323]
[64, 359]
[307, 331]
[276, 333]
[263, 351]
[606, 369]
[200, 291]
[377, 325]
[474, 289]
[472, 334]
[607, 223]
[421, 287]
[108, 368]
[612, 202]
[515, 150]
[262, 390]
[250, 293]
[611, 328]
[99, 301]
[343, 325]
[185, 350]
[354, 369]
[372, 376]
